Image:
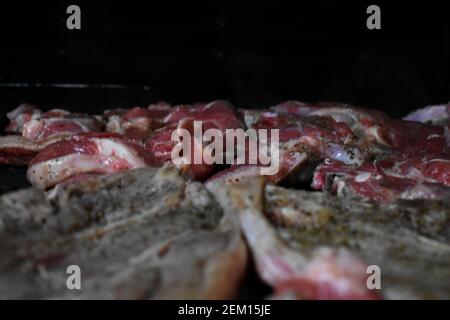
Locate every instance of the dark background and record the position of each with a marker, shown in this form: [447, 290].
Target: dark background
[254, 53]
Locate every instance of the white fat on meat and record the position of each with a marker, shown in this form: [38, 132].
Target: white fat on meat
[20, 115]
[113, 156]
[35, 129]
[19, 142]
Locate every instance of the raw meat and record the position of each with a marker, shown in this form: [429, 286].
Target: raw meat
[17, 150]
[31, 123]
[36, 130]
[371, 181]
[219, 115]
[17, 117]
[137, 124]
[86, 153]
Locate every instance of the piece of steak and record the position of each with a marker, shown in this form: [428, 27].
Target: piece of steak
[220, 115]
[18, 150]
[104, 153]
[385, 181]
[373, 128]
[142, 234]
[139, 123]
[309, 245]
[17, 117]
[36, 125]
[414, 163]
[36, 130]
[60, 126]
[306, 140]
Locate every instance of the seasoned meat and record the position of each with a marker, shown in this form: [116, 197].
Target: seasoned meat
[86, 153]
[386, 181]
[311, 246]
[219, 115]
[144, 233]
[20, 115]
[18, 150]
[139, 123]
[36, 130]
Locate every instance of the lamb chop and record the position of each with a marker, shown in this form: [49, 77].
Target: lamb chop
[413, 177]
[99, 153]
[311, 133]
[145, 233]
[17, 117]
[36, 130]
[417, 164]
[219, 115]
[137, 124]
[308, 245]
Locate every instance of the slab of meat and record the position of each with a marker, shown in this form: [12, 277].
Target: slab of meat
[143, 234]
[307, 245]
[17, 150]
[381, 134]
[429, 167]
[33, 124]
[373, 128]
[60, 126]
[308, 139]
[311, 133]
[86, 153]
[17, 117]
[384, 185]
[219, 115]
[417, 168]
[139, 123]
[412, 170]
[36, 130]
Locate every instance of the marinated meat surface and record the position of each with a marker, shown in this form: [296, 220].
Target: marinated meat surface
[17, 117]
[311, 133]
[141, 234]
[46, 128]
[17, 150]
[308, 245]
[219, 115]
[138, 229]
[34, 124]
[385, 183]
[139, 123]
[414, 164]
[35, 130]
[86, 153]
